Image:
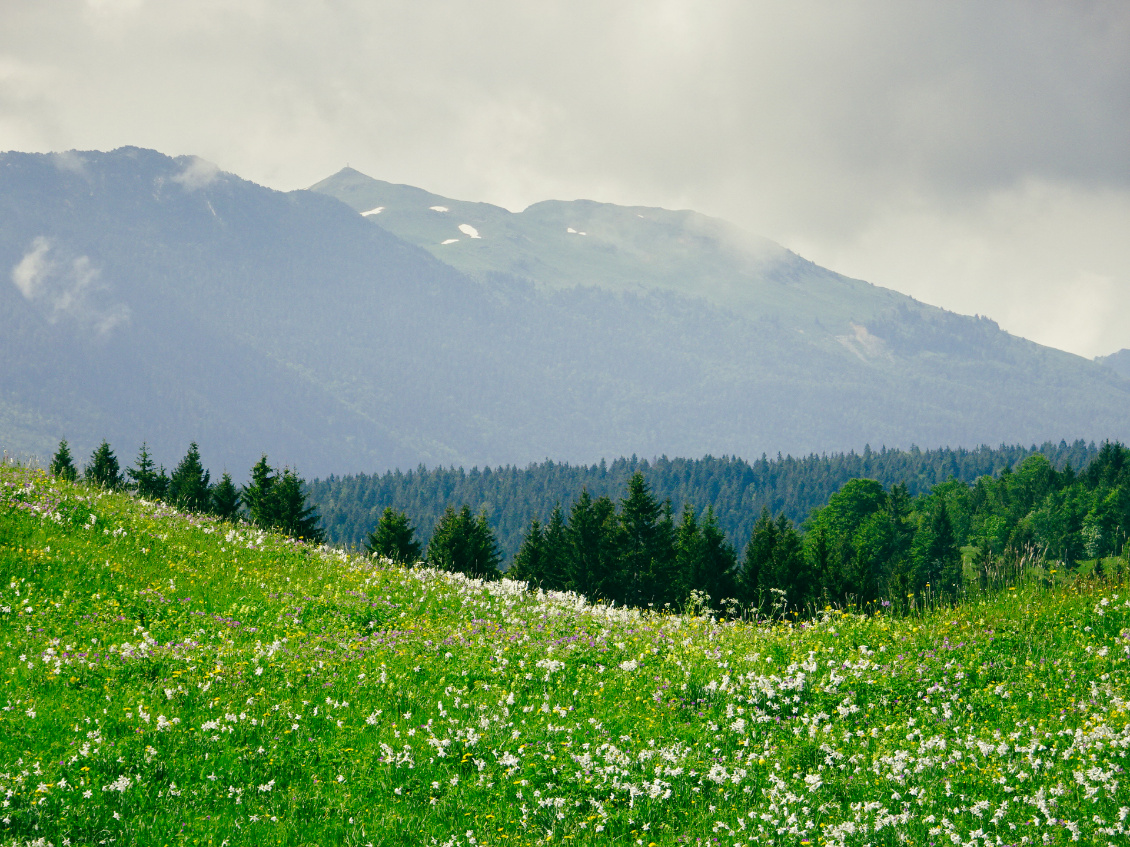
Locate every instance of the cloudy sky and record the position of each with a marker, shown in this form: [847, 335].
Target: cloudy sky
[974, 155]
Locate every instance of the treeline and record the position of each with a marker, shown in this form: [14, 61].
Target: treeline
[868, 544]
[273, 498]
[737, 490]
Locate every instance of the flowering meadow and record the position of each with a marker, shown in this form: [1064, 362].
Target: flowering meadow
[173, 680]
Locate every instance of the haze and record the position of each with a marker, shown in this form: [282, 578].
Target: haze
[972, 155]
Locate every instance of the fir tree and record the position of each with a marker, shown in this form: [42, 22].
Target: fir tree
[188, 484]
[394, 538]
[555, 564]
[258, 494]
[464, 544]
[938, 557]
[529, 563]
[62, 465]
[291, 514]
[646, 548]
[757, 567]
[225, 499]
[103, 469]
[688, 558]
[146, 478]
[592, 564]
[717, 562]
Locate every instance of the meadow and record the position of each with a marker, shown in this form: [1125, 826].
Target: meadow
[176, 680]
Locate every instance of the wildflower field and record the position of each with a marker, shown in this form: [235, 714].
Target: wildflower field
[175, 680]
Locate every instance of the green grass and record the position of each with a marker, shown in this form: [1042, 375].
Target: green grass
[172, 680]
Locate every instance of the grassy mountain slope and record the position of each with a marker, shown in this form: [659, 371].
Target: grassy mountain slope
[181, 681]
[619, 248]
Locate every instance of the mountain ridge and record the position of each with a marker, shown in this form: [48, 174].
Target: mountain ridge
[161, 299]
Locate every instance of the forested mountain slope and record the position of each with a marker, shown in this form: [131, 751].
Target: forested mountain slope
[150, 298]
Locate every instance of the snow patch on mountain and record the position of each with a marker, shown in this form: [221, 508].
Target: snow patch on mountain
[449, 241]
[439, 208]
[375, 211]
[469, 230]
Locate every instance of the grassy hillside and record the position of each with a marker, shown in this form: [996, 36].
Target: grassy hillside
[179, 681]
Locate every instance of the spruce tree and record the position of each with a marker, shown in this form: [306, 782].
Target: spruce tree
[688, 558]
[757, 568]
[938, 557]
[529, 563]
[556, 553]
[103, 469]
[464, 544]
[62, 465]
[592, 563]
[145, 477]
[646, 548]
[717, 563]
[394, 538]
[291, 514]
[225, 499]
[258, 496]
[188, 484]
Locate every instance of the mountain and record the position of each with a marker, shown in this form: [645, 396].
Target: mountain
[158, 298]
[1119, 362]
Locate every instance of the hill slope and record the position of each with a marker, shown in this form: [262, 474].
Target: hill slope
[175, 680]
[156, 298]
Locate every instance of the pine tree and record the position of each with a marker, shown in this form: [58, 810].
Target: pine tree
[145, 477]
[188, 484]
[394, 538]
[258, 496]
[291, 514]
[225, 499]
[464, 544]
[62, 465]
[103, 469]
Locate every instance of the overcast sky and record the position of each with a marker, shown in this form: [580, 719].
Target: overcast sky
[975, 155]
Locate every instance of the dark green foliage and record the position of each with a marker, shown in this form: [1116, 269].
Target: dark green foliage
[735, 489]
[146, 478]
[103, 469]
[776, 572]
[257, 495]
[592, 562]
[544, 557]
[289, 510]
[529, 564]
[189, 487]
[645, 544]
[705, 561]
[276, 500]
[62, 465]
[463, 543]
[394, 538]
[937, 556]
[225, 498]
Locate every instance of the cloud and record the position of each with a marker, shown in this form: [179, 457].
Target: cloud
[197, 174]
[70, 161]
[825, 126]
[67, 289]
